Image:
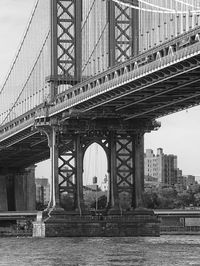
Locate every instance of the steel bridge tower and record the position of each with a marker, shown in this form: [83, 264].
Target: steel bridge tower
[68, 139]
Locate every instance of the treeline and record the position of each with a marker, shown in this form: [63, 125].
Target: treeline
[154, 198]
[170, 198]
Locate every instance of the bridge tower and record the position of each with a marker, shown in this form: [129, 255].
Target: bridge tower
[69, 138]
[123, 32]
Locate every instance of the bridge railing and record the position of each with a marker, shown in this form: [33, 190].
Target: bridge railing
[172, 52]
[17, 125]
[136, 68]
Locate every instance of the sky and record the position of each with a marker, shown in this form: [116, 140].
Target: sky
[179, 133]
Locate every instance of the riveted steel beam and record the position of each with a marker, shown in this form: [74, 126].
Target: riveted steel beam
[163, 92]
[174, 102]
[66, 51]
[123, 32]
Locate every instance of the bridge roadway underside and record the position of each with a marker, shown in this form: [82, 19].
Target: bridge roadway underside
[165, 90]
[30, 146]
[23, 150]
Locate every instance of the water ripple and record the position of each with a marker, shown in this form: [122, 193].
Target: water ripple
[165, 251]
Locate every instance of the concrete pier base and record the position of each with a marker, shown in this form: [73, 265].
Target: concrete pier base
[38, 229]
[3, 194]
[61, 224]
[39, 226]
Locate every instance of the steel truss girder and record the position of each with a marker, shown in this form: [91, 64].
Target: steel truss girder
[170, 103]
[175, 101]
[69, 13]
[163, 92]
[139, 86]
[130, 88]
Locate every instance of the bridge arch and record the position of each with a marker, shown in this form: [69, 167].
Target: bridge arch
[95, 175]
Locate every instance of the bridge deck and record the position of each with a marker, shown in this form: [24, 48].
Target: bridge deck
[156, 83]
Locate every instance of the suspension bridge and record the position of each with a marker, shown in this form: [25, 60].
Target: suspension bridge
[95, 71]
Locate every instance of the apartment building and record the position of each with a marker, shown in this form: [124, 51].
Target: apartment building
[161, 166]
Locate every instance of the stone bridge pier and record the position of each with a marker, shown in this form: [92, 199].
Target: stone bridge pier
[17, 189]
[123, 144]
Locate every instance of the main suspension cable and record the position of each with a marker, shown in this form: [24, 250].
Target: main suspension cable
[186, 4]
[171, 11]
[21, 45]
[29, 76]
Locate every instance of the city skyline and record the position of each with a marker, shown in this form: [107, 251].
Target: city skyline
[179, 133]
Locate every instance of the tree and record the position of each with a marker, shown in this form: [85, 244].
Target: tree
[90, 198]
[151, 199]
[197, 199]
[169, 198]
[101, 203]
[66, 202]
[184, 198]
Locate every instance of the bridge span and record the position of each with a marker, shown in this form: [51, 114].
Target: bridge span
[161, 81]
[89, 79]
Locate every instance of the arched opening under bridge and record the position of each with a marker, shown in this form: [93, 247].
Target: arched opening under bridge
[95, 177]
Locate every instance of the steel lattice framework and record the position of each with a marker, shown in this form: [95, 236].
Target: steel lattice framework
[125, 168]
[119, 149]
[123, 32]
[67, 169]
[66, 48]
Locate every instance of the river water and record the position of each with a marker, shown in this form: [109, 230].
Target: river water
[148, 251]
